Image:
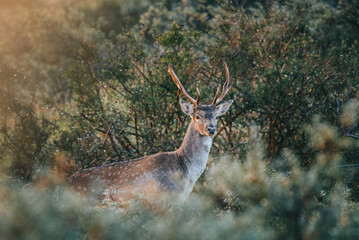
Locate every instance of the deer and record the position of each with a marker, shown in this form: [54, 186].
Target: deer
[165, 172]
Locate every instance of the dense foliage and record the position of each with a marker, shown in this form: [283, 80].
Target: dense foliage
[84, 84]
[249, 201]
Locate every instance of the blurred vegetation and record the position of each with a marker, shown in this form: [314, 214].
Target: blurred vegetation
[84, 83]
[236, 201]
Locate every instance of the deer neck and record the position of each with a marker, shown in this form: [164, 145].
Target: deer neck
[194, 152]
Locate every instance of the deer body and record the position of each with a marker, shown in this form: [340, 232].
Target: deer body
[175, 172]
[169, 172]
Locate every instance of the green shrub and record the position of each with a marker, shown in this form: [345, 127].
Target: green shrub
[87, 84]
[241, 201]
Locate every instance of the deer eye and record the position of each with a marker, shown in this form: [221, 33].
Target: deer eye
[198, 116]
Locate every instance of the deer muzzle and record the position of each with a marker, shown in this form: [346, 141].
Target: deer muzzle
[211, 129]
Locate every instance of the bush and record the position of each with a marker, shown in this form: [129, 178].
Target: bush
[242, 201]
[87, 84]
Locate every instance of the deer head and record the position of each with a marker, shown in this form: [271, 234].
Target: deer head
[204, 116]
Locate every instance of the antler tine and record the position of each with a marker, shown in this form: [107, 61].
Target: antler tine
[198, 96]
[216, 96]
[180, 86]
[226, 87]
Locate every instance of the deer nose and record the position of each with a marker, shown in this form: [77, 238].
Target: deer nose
[211, 130]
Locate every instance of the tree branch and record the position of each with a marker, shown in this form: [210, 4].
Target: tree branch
[234, 117]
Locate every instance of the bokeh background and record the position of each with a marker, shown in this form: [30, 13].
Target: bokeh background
[85, 83]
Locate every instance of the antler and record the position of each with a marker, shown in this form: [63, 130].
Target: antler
[198, 96]
[225, 90]
[180, 87]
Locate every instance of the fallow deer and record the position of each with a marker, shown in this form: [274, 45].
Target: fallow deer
[167, 172]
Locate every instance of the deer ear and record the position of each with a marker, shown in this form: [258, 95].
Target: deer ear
[186, 107]
[223, 108]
